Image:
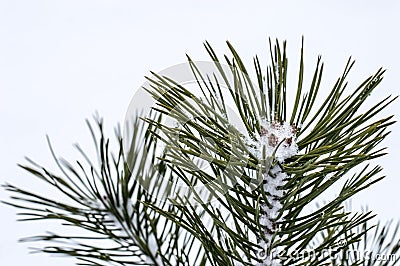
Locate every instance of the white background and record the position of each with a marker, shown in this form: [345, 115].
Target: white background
[60, 61]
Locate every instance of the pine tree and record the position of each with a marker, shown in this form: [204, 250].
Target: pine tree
[205, 191]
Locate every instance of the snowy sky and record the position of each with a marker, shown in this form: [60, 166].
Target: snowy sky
[60, 61]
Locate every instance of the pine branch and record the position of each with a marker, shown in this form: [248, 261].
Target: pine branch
[108, 205]
[332, 141]
[219, 192]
